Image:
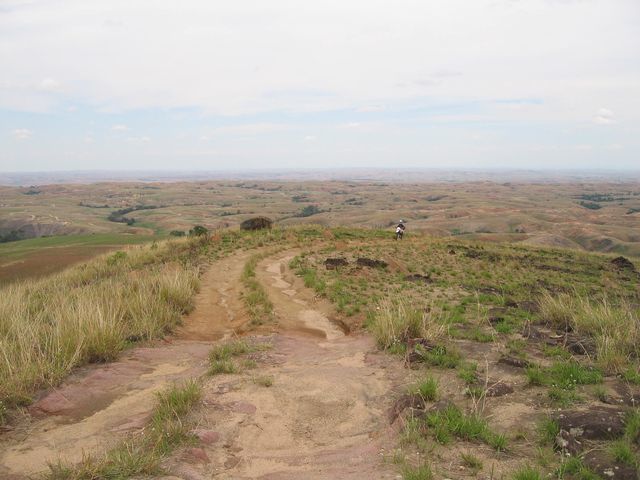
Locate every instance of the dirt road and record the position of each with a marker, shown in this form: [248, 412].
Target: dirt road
[323, 417]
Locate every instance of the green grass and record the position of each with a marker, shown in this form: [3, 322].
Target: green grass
[527, 473]
[564, 375]
[622, 451]
[472, 462]
[562, 378]
[548, 429]
[422, 472]
[632, 426]
[427, 388]
[467, 371]
[576, 469]
[452, 422]
[168, 429]
[632, 375]
[256, 300]
[221, 357]
[441, 356]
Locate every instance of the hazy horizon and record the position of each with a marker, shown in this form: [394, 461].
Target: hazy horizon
[388, 175]
[216, 86]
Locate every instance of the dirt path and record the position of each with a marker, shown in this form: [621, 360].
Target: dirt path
[323, 418]
[101, 403]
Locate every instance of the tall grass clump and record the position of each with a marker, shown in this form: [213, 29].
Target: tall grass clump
[91, 312]
[396, 321]
[614, 327]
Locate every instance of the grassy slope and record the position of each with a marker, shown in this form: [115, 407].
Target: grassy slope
[485, 294]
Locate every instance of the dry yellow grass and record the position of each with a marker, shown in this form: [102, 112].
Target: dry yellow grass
[615, 327]
[396, 321]
[91, 312]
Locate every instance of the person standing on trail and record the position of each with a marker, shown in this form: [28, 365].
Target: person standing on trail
[400, 230]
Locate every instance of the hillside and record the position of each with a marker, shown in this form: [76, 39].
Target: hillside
[324, 353]
[598, 216]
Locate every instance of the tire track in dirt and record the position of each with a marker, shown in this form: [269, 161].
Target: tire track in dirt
[100, 404]
[324, 417]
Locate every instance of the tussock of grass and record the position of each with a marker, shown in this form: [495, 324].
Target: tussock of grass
[622, 451]
[576, 469]
[396, 322]
[142, 454]
[632, 426]
[467, 371]
[615, 327]
[453, 422]
[440, 356]
[471, 461]
[548, 429]
[527, 473]
[422, 472]
[427, 389]
[91, 312]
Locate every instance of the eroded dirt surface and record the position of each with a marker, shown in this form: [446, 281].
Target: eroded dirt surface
[324, 417]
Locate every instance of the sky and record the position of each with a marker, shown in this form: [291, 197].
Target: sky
[273, 84]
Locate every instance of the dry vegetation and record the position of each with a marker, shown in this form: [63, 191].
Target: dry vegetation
[91, 312]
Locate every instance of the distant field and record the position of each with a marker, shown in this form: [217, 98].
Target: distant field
[600, 216]
[40, 256]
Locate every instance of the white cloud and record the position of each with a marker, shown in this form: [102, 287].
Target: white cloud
[310, 138]
[49, 85]
[234, 57]
[119, 128]
[21, 134]
[604, 117]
